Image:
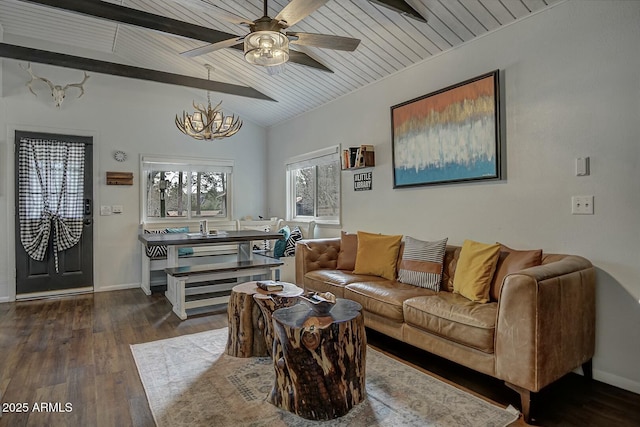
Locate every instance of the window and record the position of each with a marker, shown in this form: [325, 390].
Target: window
[186, 188]
[313, 186]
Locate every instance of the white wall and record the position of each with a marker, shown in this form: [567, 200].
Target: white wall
[121, 114]
[571, 89]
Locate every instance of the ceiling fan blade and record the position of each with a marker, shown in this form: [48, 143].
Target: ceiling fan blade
[325, 41]
[212, 47]
[304, 59]
[297, 10]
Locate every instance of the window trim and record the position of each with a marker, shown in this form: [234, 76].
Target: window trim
[191, 164]
[331, 153]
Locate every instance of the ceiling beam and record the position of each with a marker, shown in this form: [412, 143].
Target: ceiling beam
[402, 7]
[103, 67]
[126, 15]
[137, 18]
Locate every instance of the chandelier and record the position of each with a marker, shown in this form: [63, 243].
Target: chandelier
[209, 123]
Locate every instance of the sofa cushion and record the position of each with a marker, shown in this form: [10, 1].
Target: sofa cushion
[475, 269]
[454, 317]
[384, 297]
[511, 261]
[334, 281]
[449, 269]
[348, 251]
[421, 263]
[377, 254]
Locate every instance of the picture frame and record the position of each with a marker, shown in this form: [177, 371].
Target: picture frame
[448, 136]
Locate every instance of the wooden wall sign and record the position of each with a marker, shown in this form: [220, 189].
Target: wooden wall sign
[362, 181]
[119, 178]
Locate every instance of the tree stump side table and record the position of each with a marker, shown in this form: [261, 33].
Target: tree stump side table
[319, 361]
[246, 323]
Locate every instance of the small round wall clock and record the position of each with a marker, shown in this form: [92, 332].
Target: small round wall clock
[120, 156]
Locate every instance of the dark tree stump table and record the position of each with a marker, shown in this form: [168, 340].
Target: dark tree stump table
[246, 322]
[319, 361]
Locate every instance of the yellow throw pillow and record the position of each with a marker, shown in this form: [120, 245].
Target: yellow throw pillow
[475, 269]
[377, 254]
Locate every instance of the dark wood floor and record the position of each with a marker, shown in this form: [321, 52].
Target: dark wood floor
[76, 350]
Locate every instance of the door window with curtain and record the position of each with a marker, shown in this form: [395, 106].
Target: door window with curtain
[51, 193]
[313, 186]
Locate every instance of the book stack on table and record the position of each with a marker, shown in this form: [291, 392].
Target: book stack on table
[270, 285]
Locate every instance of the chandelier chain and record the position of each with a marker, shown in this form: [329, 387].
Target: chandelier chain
[209, 93]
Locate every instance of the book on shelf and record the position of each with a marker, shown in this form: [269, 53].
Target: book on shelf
[270, 285]
[345, 159]
[356, 157]
[353, 156]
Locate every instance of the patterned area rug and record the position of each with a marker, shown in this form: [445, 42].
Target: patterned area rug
[190, 381]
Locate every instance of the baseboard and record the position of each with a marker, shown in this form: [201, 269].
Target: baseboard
[118, 287]
[4, 299]
[617, 381]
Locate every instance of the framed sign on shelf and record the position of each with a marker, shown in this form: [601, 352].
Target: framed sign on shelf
[448, 136]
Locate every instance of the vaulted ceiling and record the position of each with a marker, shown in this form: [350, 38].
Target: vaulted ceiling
[390, 41]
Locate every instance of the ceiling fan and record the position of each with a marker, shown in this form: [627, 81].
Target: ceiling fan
[267, 44]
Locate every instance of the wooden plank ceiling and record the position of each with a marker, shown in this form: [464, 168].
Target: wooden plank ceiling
[390, 42]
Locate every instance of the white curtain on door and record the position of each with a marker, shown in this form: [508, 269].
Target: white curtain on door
[51, 187]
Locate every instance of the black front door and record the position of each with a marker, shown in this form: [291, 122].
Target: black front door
[75, 265]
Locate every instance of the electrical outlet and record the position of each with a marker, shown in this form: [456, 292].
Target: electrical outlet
[582, 205]
[105, 210]
[116, 209]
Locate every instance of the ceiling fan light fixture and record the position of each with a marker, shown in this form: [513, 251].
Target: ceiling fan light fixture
[266, 48]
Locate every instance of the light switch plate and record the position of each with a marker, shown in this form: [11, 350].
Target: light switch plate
[582, 166]
[105, 210]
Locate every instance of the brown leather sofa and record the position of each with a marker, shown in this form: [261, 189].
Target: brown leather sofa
[539, 327]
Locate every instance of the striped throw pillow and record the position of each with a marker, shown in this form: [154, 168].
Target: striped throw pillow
[156, 251]
[422, 262]
[290, 247]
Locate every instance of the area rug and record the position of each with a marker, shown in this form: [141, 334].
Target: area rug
[190, 381]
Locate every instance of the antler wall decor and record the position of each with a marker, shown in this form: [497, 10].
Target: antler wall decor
[57, 92]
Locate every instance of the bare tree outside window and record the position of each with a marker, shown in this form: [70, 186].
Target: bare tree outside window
[328, 190]
[305, 194]
[315, 189]
[206, 193]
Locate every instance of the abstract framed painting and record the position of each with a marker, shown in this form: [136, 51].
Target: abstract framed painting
[448, 136]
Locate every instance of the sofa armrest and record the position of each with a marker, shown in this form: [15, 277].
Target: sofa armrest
[315, 254]
[546, 322]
